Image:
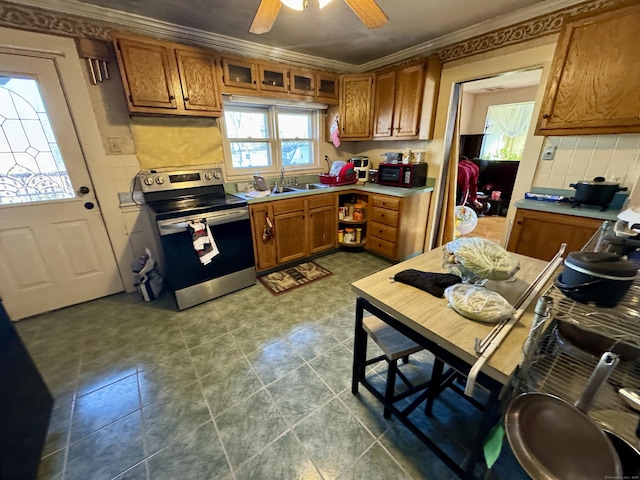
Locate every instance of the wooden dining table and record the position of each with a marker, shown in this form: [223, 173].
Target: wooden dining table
[450, 337]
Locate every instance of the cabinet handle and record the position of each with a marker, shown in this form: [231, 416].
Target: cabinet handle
[171, 97]
[186, 99]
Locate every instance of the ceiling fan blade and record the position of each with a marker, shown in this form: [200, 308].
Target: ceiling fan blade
[265, 16]
[368, 12]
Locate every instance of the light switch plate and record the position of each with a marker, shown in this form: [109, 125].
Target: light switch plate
[549, 152]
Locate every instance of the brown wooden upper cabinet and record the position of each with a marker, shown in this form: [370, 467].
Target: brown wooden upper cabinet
[302, 82]
[274, 78]
[241, 73]
[327, 85]
[253, 77]
[166, 78]
[595, 76]
[356, 94]
[398, 102]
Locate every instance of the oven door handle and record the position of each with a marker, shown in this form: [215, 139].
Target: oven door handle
[213, 219]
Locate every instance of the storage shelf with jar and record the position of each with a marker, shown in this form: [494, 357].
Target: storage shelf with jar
[352, 220]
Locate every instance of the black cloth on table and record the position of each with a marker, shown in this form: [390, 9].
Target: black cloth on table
[431, 282]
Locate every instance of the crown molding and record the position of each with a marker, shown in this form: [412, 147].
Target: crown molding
[524, 15]
[177, 33]
[536, 21]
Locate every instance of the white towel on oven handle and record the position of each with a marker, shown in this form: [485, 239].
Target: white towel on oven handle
[203, 242]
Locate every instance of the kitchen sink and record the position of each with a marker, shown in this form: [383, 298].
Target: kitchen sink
[308, 186]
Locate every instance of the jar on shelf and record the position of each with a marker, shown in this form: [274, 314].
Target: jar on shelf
[358, 212]
[358, 235]
[341, 236]
[349, 235]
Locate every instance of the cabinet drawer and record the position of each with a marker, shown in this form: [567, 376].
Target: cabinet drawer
[287, 206]
[382, 215]
[383, 231]
[375, 244]
[387, 202]
[325, 200]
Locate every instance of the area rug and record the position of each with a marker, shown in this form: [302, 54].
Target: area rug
[288, 279]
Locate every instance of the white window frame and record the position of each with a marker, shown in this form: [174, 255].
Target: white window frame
[275, 169]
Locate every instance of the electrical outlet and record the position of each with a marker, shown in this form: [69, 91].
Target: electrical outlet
[114, 145]
[549, 152]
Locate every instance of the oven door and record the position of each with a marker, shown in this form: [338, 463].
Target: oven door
[231, 232]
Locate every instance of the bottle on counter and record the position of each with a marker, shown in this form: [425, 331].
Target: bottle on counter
[358, 212]
[349, 235]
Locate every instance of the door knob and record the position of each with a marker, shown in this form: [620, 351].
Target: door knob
[89, 205]
[83, 190]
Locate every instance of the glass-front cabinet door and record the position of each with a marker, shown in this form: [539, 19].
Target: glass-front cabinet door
[239, 73]
[273, 77]
[327, 85]
[303, 82]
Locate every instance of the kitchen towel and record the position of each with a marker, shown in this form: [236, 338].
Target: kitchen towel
[434, 283]
[335, 132]
[203, 242]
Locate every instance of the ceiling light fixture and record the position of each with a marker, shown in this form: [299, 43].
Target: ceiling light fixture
[302, 4]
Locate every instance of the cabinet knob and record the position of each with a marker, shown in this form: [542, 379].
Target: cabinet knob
[186, 99]
[546, 115]
[171, 97]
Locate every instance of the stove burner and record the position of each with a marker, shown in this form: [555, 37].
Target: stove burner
[194, 205]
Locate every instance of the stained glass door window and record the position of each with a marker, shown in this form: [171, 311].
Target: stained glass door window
[31, 166]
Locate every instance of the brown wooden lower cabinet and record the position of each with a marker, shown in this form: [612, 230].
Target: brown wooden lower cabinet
[397, 226]
[264, 248]
[302, 226]
[540, 234]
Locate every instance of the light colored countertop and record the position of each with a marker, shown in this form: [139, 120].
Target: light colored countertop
[366, 187]
[588, 211]
[567, 209]
[432, 318]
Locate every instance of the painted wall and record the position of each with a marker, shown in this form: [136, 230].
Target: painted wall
[474, 110]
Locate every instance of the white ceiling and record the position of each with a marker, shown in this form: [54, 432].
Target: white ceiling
[333, 34]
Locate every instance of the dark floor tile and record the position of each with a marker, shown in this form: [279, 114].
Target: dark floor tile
[138, 472]
[335, 367]
[275, 360]
[312, 341]
[108, 452]
[283, 459]
[104, 406]
[249, 426]
[375, 464]
[164, 422]
[195, 456]
[52, 466]
[164, 380]
[228, 384]
[333, 438]
[299, 393]
[59, 428]
[208, 356]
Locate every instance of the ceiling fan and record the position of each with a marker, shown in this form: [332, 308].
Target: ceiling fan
[367, 11]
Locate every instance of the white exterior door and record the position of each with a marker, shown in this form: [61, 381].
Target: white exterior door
[54, 248]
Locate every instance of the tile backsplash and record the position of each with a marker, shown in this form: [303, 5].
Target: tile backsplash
[615, 157]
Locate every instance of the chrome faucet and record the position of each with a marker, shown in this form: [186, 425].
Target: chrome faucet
[282, 177]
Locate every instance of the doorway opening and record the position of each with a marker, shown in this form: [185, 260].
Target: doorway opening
[495, 116]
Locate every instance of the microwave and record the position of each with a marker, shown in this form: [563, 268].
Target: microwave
[402, 175]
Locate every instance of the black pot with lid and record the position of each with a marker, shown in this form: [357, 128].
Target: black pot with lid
[600, 277]
[596, 192]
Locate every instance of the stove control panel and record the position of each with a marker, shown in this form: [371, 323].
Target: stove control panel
[159, 181]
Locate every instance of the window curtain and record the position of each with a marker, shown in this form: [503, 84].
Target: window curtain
[513, 119]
